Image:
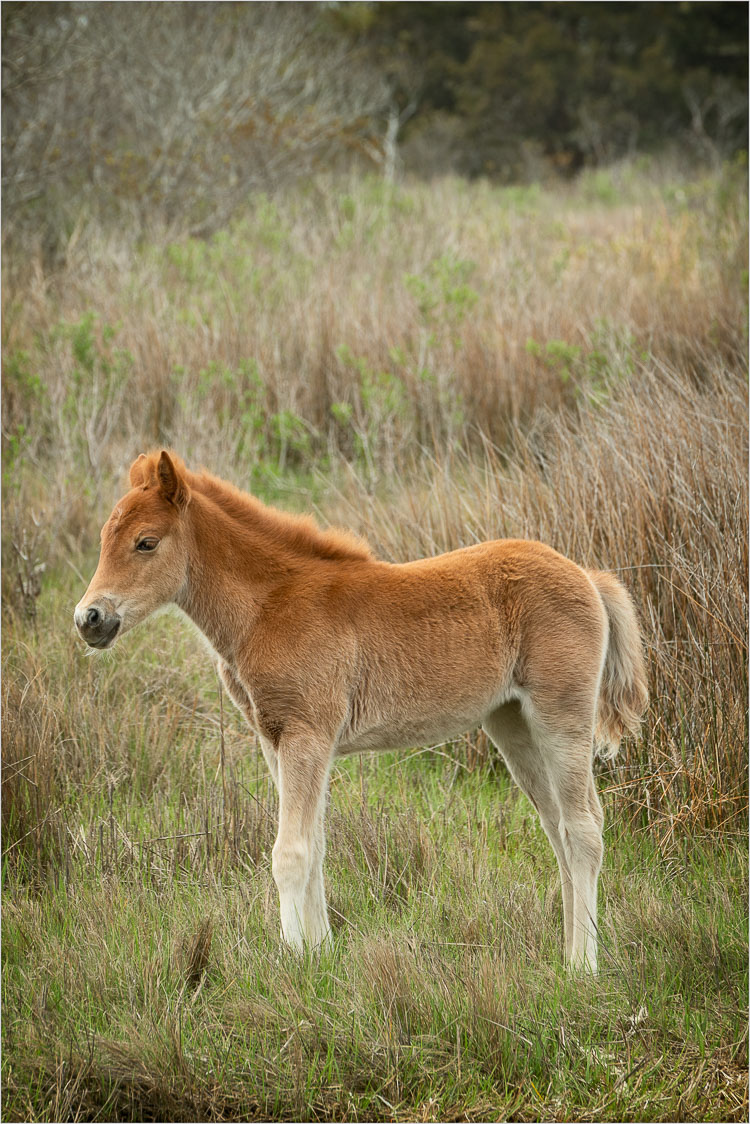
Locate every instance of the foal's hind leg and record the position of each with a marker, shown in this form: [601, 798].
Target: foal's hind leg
[580, 827]
[528, 766]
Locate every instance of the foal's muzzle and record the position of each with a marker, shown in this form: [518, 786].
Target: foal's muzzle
[97, 624]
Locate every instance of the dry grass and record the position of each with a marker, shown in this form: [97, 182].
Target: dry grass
[358, 322]
[430, 367]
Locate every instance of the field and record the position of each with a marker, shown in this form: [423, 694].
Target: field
[430, 366]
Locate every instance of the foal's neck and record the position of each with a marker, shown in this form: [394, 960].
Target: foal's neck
[235, 562]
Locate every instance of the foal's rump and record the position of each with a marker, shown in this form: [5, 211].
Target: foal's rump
[581, 654]
[583, 643]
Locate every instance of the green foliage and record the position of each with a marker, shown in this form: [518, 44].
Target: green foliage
[13, 447]
[343, 412]
[598, 187]
[291, 436]
[442, 292]
[221, 261]
[608, 357]
[558, 355]
[98, 371]
[520, 198]
[364, 215]
[24, 400]
[272, 441]
[380, 405]
[21, 379]
[268, 225]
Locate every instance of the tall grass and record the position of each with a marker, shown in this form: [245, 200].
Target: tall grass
[430, 366]
[355, 322]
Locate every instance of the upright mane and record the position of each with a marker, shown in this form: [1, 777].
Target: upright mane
[298, 532]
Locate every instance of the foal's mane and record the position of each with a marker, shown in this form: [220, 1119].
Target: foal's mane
[297, 532]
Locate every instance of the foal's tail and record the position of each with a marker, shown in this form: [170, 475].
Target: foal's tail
[623, 694]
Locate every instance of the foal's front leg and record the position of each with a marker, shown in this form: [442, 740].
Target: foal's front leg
[315, 916]
[304, 760]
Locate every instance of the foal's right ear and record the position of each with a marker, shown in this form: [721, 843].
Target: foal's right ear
[137, 471]
[171, 483]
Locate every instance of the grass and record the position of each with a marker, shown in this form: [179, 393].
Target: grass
[429, 366]
[143, 979]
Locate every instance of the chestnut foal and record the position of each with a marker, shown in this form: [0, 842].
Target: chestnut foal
[328, 651]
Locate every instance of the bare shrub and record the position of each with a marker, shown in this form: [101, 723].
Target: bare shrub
[171, 111]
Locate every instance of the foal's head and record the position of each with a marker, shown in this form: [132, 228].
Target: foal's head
[144, 557]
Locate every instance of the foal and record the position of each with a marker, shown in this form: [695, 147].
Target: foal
[328, 651]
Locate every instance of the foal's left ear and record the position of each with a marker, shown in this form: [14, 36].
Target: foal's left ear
[137, 471]
[171, 484]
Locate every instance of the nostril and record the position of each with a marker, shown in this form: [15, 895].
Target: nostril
[93, 616]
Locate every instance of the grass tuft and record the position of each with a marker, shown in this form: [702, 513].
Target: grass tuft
[194, 953]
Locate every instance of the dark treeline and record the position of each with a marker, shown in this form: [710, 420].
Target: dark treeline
[177, 111]
[501, 88]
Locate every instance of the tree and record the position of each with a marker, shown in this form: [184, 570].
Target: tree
[577, 82]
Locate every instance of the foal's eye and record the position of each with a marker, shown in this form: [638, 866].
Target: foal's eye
[147, 544]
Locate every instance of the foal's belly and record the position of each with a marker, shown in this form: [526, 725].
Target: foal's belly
[428, 701]
[410, 732]
[404, 737]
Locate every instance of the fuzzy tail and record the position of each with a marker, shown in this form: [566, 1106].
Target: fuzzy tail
[623, 695]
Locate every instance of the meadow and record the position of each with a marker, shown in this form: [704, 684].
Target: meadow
[429, 365]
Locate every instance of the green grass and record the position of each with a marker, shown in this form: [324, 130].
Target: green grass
[144, 977]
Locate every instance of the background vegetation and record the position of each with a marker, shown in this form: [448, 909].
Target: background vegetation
[173, 112]
[429, 363]
[512, 89]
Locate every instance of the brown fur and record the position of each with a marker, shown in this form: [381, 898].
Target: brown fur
[328, 651]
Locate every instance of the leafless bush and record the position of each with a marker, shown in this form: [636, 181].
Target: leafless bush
[172, 111]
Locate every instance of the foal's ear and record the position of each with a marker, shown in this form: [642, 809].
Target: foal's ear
[171, 484]
[137, 471]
